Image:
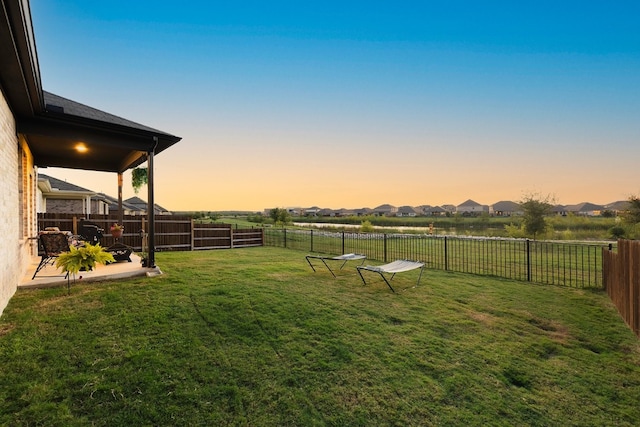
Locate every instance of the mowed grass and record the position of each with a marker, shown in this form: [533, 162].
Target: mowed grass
[253, 337]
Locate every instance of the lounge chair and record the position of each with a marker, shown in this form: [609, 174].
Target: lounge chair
[344, 258]
[392, 268]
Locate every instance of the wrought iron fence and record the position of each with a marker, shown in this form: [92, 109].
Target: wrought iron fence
[558, 263]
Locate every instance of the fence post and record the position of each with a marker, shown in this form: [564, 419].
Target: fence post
[343, 241]
[285, 237]
[384, 247]
[528, 261]
[446, 255]
[311, 240]
[193, 235]
[231, 236]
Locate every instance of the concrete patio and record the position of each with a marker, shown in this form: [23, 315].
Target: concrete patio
[51, 276]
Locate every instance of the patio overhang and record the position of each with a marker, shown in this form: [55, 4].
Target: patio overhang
[68, 134]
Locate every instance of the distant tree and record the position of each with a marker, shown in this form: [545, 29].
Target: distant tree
[632, 214]
[535, 208]
[279, 215]
[274, 214]
[284, 216]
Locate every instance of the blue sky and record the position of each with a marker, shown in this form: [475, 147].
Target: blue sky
[353, 103]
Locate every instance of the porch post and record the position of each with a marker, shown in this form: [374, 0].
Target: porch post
[150, 207]
[120, 210]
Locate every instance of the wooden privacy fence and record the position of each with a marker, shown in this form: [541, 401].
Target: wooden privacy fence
[173, 233]
[621, 278]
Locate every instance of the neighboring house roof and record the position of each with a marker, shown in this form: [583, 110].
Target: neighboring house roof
[113, 203]
[469, 203]
[141, 205]
[56, 184]
[620, 205]
[584, 207]
[506, 206]
[386, 208]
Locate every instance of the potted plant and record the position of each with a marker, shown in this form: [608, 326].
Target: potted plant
[117, 230]
[83, 258]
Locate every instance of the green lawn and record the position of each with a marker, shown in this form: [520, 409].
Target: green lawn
[253, 337]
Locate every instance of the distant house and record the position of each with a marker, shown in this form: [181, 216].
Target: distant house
[141, 206]
[585, 209]
[409, 211]
[471, 208]
[312, 211]
[113, 205]
[326, 212]
[363, 211]
[57, 196]
[618, 207]
[385, 210]
[343, 212]
[505, 208]
[428, 210]
[559, 210]
[451, 209]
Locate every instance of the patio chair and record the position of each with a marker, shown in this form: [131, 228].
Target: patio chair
[344, 258]
[392, 268]
[51, 244]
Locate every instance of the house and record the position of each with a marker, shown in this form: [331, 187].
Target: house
[312, 211]
[408, 211]
[505, 208]
[559, 210]
[585, 209]
[344, 212]
[429, 210]
[363, 211]
[471, 208]
[40, 129]
[385, 210]
[618, 207]
[57, 196]
[140, 206]
[326, 212]
[113, 204]
[449, 209]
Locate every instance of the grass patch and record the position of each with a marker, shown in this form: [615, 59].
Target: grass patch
[254, 337]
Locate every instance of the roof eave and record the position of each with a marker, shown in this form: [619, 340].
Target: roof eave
[20, 74]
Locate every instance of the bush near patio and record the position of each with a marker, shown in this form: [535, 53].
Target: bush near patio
[254, 337]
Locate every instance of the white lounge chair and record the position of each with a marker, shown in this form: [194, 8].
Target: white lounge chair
[392, 268]
[344, 258]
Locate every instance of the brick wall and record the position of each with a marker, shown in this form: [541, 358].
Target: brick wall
[12, 257]
[65, 206]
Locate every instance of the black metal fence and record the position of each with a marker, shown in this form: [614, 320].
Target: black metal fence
[557, 263]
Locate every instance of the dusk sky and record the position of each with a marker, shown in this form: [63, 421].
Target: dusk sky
[359, 103]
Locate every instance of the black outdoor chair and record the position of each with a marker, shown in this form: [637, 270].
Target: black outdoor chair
[51, 244]
[90, 232]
